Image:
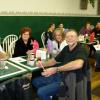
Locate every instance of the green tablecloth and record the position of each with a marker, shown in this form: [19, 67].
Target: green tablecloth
[12, 71]
[23, 63]
[16, 66]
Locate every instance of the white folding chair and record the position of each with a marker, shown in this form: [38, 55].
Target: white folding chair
[7, 41]
[11, 48]
[43, 39]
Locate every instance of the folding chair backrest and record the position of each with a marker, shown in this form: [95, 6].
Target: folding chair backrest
[11, 48]
[8, 40]
[43, 39]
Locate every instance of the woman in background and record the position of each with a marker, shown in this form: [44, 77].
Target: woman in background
[25, 44]
[61, 26]
[59, 41]
[49, 33]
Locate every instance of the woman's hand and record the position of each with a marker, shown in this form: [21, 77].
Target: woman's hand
[29, 52]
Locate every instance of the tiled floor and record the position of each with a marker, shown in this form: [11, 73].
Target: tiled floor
[95, 85]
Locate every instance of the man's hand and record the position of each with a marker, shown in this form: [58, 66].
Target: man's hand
[49, 71]
[38, 64]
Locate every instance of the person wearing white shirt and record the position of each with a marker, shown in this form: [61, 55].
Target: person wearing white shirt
[58, 43]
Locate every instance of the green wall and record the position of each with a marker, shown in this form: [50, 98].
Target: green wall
[13, 24]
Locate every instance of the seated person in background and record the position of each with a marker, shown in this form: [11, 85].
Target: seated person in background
[61, 26]
[49, 33]
[59, 41]
[96, 30]
[85, 34]
[24, 45]
[86, 29]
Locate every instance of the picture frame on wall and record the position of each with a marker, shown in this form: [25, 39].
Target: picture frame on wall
[83, 4]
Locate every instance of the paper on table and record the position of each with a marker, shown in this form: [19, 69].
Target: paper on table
[41, 53]
[97, 47]
[17, 59]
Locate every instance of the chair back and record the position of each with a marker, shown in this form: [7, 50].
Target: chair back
[7, 41]
[11, 48]
[43, 39]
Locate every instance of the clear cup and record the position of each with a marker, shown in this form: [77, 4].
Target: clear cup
[2, 63]
[30, 56]
[30, 59]
[30, 62]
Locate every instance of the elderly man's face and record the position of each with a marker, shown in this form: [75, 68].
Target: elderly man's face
[71, 38]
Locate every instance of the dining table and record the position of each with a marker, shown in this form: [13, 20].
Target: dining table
[16, 66]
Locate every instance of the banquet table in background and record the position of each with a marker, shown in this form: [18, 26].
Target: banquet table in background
[90, 46]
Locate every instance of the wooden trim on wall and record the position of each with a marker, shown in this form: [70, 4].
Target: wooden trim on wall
[13, 13]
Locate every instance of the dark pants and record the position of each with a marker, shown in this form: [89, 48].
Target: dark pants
[75, 90]
[47, 86]
[92, 50]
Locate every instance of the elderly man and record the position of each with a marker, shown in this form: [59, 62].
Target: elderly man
[73, 69]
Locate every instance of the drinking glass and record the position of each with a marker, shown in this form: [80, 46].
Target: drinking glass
[2, 63]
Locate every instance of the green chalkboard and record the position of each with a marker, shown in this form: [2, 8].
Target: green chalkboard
[13, 24]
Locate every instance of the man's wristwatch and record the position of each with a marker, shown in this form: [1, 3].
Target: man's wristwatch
[58, 69]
